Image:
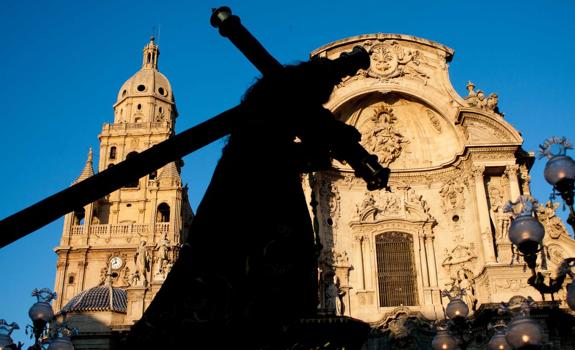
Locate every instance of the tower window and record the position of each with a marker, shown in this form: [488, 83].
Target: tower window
[163, 213]
[161, 109]
[396, 272]
[124, 93]
[138, 120]
[134, 183]
[149, 58]
[141, 87]
[79, 215]
[139, 106]
[113, 152]
[162, 91]
[71, 278]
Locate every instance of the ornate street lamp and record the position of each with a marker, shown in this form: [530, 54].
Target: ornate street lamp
[560, 170]
[456, 309]
[6, 342]
[522, 332]
[443, 340]
[497, 341]
[41, 313]
[61, 334]
[525, 231]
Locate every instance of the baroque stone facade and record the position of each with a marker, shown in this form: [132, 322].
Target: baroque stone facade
[455, 161]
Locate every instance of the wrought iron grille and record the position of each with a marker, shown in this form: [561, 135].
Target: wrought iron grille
[396, 269]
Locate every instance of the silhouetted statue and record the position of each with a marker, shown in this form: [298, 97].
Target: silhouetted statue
[248, 268]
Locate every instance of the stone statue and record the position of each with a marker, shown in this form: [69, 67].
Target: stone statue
[466, 282]
[500, 219]
[333, 297]
[478, 99]
[163, 248]
[142, 261]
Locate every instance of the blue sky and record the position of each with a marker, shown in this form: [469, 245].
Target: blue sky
[63, 63]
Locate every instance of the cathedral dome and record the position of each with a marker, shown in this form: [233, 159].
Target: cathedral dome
[148, 81]
[98, 299]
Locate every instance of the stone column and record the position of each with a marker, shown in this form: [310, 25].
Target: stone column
[511, 174]
[483, 213]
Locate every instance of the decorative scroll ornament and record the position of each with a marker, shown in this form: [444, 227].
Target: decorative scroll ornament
[389, 60]
[553, 147]
[478, 99]
[381, 137]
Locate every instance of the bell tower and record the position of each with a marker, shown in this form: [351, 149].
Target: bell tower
[129, 239]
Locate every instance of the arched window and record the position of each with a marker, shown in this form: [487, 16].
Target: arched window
[79, 215]
[163, 213]
[113, 152]
[396, 272]
[134, 183]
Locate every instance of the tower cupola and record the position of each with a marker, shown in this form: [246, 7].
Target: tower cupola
[151, 54]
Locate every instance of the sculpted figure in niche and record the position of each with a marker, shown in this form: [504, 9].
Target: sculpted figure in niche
[500, 219]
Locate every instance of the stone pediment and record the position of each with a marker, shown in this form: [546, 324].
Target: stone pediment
[484, 129]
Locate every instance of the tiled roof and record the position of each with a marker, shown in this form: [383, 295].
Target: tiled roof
[170, 171]
[88, 169]
[98, 299]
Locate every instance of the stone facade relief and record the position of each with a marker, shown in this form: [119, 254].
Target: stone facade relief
[452, 195]
[330, 197]
[553, 224]
[434, 119]
[381, 137]
[403, 203]
[390, 60]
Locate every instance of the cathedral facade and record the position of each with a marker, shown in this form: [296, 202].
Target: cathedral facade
[455, 162]
[386, 254]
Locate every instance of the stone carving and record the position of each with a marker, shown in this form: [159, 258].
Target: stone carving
[142, 261]
[405, 204]
[390, 60]
[500, 219]
[513, 285]
[401, 329]
[478, 99]
[333, 296]
[452, 194]
[329, 194]
[556, 253]
[381, 137]
[525, 179]
[162, 256]
[460, 255]
[334, 258]
[434, 120]
[554, 226]
[465, 281]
